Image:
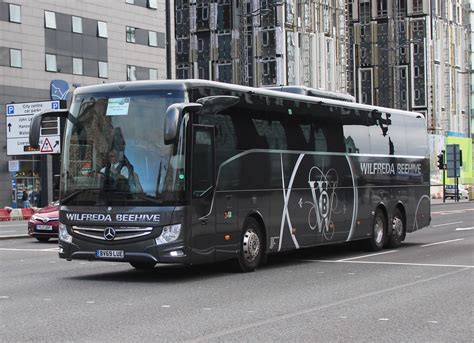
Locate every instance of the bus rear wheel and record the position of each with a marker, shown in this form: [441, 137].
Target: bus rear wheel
[379, 231]
[397, 230]
[251, 246]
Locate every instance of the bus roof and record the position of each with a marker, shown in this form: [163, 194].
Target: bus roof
[187, 84]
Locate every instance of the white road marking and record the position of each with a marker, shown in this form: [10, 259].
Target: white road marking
[165, 306]
[464, 228]
[47, 299]
[395, 263]
[343, 317]
[384, 319]
[363, 256]
[446, 224]
[433, 321]
[4, 297]
[207, 308]
[41, 250]
[90, 302]
[312, 310]
[443, 242]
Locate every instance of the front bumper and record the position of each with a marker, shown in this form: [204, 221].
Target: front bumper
[34, 232]
[144, 251]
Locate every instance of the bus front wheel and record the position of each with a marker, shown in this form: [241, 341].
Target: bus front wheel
[251, 246]
[379, 231]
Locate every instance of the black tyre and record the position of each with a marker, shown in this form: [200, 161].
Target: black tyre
[42, 239]
[143, 265]
[397, 230]
[379, 232]
[251, 246]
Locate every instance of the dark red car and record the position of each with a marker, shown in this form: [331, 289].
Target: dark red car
[44, 224]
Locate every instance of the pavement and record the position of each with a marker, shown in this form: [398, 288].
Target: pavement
[18, 228]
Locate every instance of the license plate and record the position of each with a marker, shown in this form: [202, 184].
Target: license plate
[109, 253]
[44, 227]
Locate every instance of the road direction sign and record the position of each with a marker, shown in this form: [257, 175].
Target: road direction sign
[18, 120]
[453, 160]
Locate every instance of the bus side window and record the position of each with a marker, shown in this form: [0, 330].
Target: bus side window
[203, 160]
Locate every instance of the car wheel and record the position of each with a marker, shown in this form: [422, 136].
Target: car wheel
[397, 230]
[379, 232]
[251, 246]
[143, 265]
[42, 239]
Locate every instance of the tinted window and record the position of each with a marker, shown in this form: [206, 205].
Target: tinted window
[415, 129]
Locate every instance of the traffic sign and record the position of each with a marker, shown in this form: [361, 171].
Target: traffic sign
[30, 108]
[18, 120]
[453, 160]
[21, 146]
[13, 166]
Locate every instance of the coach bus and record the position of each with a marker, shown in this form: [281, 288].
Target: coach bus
[207, 171]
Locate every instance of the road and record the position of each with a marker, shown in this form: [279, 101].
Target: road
[422, 291]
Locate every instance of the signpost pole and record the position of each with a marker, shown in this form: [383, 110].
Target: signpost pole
[14, 190]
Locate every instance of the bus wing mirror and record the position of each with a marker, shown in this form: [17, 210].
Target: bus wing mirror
[173, 114]
[35, 126]
[217, 103]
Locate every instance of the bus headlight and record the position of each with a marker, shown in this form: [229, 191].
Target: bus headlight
[169, 234]
[63, 234]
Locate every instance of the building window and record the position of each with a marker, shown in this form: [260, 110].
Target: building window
[50, 19]
[152, 38]
[51, 64]
[77, 66]
[417, 5]
[266, 68]
[403, 51]
[417, 94]
[179, 44]
[401, 26]
[265, 38]
[416, 71]
[15, 58]
[205, 13]
[153, 74]
[77, 24]
[416, 49]
[403, 73]
[102, 29]
[382, 8]
[202, 73]
[200, 45]
[153, 4]
[131, 73]
[179, 17]
[404, 95]
[14, 13]
[103, 70]
[130, 34]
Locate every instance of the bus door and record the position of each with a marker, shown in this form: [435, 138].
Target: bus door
[203, 228]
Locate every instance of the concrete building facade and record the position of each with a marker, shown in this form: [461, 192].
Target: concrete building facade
[262, 42]
[83, 42]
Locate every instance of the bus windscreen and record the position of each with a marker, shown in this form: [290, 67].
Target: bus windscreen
[115, 152]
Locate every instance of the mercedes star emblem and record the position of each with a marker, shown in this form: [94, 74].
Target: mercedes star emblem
[109, 233]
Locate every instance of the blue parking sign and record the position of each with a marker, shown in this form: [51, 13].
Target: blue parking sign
[10, 109]
[55, 105]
